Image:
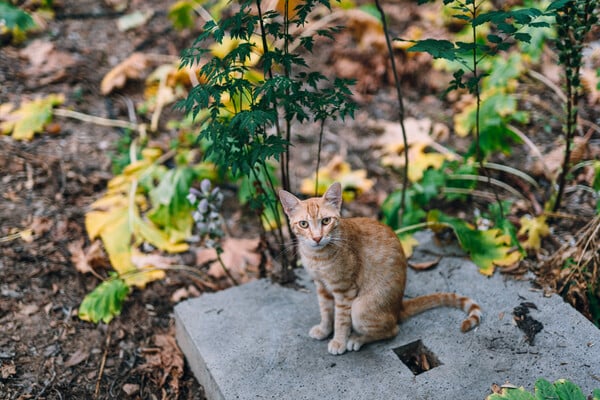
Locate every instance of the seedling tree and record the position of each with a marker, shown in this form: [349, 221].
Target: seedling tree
[249, 99]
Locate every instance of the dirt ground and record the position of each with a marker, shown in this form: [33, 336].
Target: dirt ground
[46, 351]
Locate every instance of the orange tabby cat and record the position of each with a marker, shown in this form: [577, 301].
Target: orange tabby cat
[359, 270]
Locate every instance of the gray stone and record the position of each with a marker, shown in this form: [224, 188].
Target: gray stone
[251, 341]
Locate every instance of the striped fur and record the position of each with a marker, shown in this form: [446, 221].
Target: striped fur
[359, 270]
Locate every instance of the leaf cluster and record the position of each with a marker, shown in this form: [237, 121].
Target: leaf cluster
[562, 389]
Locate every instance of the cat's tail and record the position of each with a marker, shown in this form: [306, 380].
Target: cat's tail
[419, 304]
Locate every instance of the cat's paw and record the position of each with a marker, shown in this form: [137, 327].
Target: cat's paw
[354, 343]
[319, 333]
[336, 347]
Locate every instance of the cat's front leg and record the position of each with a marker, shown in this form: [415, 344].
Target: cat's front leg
[342, 322]
[324, 329]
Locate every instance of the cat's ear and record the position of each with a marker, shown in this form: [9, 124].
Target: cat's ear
[288, 201]
[333, 195]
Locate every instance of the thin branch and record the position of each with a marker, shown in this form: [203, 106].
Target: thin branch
[400, 102]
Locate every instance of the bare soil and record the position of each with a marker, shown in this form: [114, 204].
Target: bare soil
[46, 351]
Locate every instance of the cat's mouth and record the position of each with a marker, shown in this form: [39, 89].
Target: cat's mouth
[317, 246]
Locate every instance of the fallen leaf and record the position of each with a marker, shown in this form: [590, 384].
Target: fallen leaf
[131, 388]
[487, 248]
[590, 80]
[408, 243]
[240, 257]
[104, 302]
[77, 358]
[420, 135]
[46, 63]
[421, 266]
[131, 68]
[85, 260]
[30, 118]
[7, 370]
[535, 229]
[337, 170]
[133, 20]
[551, 163]
[165, 360]
[28, 309]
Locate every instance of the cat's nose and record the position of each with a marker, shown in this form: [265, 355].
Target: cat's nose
[317, 239]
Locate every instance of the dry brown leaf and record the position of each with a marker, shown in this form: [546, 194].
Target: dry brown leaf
[421, 266]
[131, 68]
[131, 388]
[590, 81]
[77, 358]
[551, 164]
[240, 256]
[417, 131]
[184, 293]
[165, 357]
[29, 309]
[85, 260]
[7, 370]
[143, 260]
[47, 64]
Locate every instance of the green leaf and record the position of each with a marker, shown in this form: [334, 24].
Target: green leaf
[487, 248]
[436, 48]
[104, 302]
[567, 390]
[596, 394]
[31, 117]
[544, 390]
[13, 17]
[523, 37]
[181, 14]
[512, 394]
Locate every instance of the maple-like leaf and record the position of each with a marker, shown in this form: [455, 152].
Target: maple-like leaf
[30, 118]
[535, 229]
[487, 248]
[337, 170]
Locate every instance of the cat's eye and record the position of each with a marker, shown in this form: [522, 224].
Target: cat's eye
[326, 221]
[303, 224]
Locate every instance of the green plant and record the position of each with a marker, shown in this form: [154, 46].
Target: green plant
[253, 92]
[574, 19]
[13, 18]
[481, 70]
[562, 389]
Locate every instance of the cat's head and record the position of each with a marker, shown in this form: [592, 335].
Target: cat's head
[314, 220]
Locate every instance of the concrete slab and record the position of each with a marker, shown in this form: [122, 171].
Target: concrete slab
[251, 342]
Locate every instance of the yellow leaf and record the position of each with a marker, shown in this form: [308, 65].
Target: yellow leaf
[535, 229]
[418, 161]
[30, 118]
[148, 231]
[116, 237]
[408, 243]
[337, 170]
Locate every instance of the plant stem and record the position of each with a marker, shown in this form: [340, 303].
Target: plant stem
[400, 103]
[319, 157]
[227, 272]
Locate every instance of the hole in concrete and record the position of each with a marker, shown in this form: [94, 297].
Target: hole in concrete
[417, 357]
